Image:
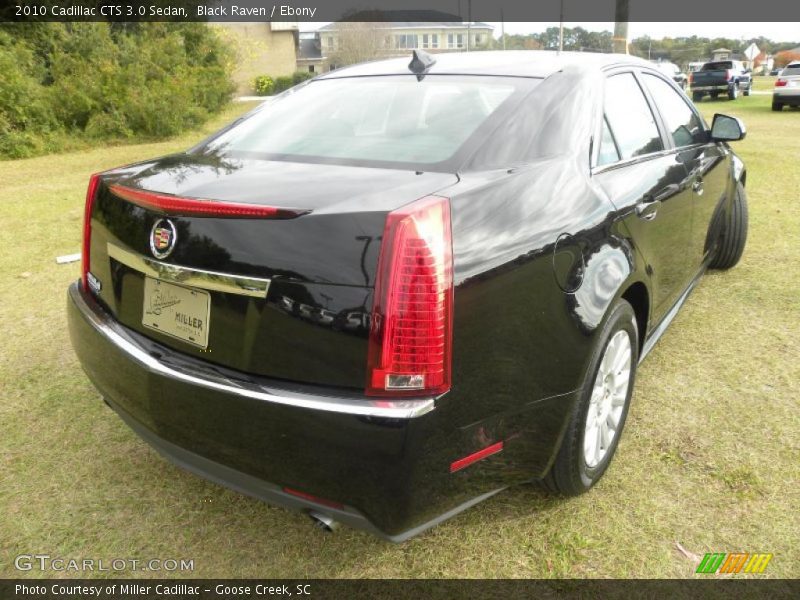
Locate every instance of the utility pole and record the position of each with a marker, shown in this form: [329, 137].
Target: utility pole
[502, 29]
[561, 29]
[469, 24]
[621, 27]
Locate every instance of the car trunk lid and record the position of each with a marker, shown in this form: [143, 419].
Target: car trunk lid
[286, 295]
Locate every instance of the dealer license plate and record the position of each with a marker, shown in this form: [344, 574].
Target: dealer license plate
[177, 311]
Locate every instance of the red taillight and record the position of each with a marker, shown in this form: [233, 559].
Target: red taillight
[91, 192]
[412, 317]
[691, 77]
[312, 498]
[198, 207]
[780, 83]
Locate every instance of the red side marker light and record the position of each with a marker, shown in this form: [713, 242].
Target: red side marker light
[312, 498]
[463, 463]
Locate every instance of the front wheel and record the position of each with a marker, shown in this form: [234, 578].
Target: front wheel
[697, 96]
[599, 415]
[733, 92]
[746, 91]
[734, 233]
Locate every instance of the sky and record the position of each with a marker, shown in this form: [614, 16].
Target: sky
[777, 32]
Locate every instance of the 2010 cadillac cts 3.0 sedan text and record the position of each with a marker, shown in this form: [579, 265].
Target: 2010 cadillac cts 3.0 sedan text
[395, 290]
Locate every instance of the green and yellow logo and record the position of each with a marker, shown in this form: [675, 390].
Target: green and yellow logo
[735, 562]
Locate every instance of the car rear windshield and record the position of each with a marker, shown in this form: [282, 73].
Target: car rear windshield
[795, 67]
[717, 66]
[364, 120]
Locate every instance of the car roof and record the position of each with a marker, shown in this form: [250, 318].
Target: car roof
[510, 63]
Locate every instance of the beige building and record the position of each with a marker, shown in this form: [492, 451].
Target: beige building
[278, 48]
[398, 38]
[261, 49]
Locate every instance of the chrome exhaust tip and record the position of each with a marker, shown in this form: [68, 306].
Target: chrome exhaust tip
[323, 522]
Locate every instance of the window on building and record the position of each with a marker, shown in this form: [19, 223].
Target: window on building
[434, 40]
[330, 42]
[405, 41]
[425, 40]
[310, 68]
[478, 38]
[455, 40]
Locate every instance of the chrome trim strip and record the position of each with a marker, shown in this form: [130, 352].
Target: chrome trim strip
[255, 287]
[106, 326]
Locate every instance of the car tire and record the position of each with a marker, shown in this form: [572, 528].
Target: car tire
[733, 92]
[746, 91]
[777, 106]
[733, 237]
[696, 96]
[580, 462]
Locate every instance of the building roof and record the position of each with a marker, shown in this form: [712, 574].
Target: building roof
[511, 63]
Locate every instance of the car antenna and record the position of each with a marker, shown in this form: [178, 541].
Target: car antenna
[421, 61]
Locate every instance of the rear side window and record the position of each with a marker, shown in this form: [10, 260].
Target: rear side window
[792, 69]
[683, 124]
[629, 117]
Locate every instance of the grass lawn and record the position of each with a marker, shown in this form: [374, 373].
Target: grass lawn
[710, 458]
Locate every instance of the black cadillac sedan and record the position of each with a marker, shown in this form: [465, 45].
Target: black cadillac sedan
[401, 288]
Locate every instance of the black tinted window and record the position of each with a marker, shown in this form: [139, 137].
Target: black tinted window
[630, 118]
[684, 126]
[717, 66]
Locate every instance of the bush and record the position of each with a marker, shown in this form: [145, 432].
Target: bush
[68, 81]
[301, 76]
[264, 85]
[283, 83]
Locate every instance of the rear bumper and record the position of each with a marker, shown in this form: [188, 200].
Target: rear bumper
[788, 97]
[721, 87]
[384, 466]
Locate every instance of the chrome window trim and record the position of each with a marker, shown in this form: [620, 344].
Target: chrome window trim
[216, 379]
[255, 287]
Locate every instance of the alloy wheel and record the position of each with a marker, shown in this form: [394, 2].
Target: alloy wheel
[607, 403]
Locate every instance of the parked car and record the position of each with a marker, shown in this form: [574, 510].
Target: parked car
[787, 87]
[775, 72]
[512, 242]
[672, 70]
[721, 77]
